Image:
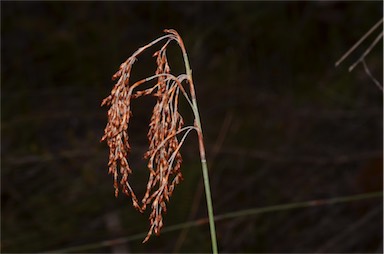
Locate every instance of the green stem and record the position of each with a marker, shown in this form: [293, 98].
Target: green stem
[210, 207]
[206, 181]
[202, 153]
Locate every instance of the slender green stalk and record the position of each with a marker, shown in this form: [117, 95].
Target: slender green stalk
[202, 153]
[206, 182]
[209, 205]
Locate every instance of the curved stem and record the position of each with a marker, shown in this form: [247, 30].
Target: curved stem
[201, 149]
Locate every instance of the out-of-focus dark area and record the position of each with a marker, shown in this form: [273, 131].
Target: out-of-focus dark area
[282, 125]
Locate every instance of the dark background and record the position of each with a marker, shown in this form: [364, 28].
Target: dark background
[281, 123]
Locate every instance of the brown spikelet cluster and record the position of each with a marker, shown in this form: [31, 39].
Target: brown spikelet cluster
[164, 158]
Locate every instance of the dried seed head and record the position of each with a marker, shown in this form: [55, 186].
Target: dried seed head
[164, 158]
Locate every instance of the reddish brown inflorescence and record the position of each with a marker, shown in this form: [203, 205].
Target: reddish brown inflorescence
[164, 158]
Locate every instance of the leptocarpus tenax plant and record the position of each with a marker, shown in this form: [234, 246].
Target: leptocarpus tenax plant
[166, 134]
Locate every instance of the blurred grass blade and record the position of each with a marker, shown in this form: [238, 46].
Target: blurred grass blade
[247, 212]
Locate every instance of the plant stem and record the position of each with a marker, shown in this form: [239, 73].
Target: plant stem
[206, 180]
[202, 153]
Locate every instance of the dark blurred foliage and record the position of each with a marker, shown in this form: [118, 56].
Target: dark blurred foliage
[292, 126]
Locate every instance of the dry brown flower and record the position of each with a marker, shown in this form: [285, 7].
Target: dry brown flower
[164, 158]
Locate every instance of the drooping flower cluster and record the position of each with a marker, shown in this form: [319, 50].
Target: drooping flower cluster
[164, 158]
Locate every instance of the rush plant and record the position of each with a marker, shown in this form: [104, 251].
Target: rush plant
[166, 134]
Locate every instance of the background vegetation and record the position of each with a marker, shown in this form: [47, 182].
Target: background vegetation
[282, 125]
